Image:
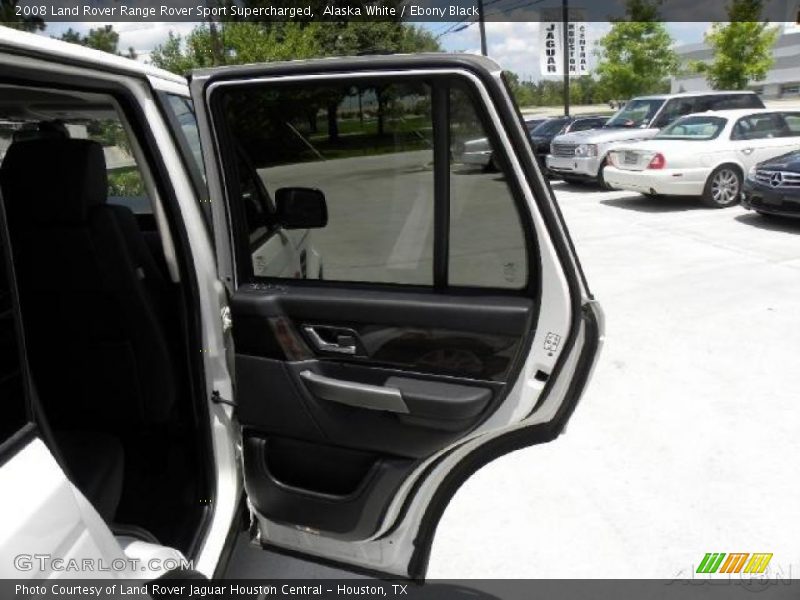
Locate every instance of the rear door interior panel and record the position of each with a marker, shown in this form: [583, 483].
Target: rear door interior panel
[385, 271]
[331, 463]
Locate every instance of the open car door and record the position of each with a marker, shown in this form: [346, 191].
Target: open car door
[406, 302]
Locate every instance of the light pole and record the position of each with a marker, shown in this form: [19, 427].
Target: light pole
[482, 26]
[565, 44]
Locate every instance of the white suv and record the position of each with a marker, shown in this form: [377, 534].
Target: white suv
[166, 367]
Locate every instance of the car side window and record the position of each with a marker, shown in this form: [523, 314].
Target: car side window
[125, 184]
[368, 149]
[732, 101]
[792, 123]
[487, 242]
[675, 108]
[183, 123]
[366, 156]
[758, 127]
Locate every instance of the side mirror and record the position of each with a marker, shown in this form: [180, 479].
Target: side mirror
[301, 208]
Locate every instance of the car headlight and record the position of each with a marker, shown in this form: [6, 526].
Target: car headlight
[586, 150]
[751, 174]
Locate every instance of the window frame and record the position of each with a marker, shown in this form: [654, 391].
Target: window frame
[185, 150]
[437, 79]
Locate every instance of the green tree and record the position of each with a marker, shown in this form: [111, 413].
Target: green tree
[103, 38]
[242, 42]
[248, 42]
[523, 92]
[636, 56]
[742, 48]
[9, 18]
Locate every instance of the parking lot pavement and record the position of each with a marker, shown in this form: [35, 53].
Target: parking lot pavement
[687, 439]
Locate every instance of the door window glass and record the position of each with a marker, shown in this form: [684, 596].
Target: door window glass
[487, 242]
[731, 101]
[125, 184]
[368, 149]
[675, 108]
[636, 113]
[758, 127]
[792, 123]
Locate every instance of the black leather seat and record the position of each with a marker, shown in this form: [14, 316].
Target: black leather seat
[93, 298]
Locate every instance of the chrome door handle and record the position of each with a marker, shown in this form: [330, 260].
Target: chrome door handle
[747, 150]
[345, 339]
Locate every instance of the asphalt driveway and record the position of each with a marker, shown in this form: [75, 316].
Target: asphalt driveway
[688, 438]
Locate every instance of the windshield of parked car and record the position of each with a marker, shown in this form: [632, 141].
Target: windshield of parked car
[636, 113]
[693, 128]
[550, 127]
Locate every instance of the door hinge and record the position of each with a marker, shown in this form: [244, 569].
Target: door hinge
[217, 398]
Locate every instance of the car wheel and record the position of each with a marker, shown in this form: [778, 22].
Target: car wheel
[723, 188]
[601, 179]
[492, 166]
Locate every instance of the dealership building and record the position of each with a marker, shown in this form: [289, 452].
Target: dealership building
[782, 81]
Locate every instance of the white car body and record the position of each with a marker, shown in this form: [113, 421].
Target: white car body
[48, 515]
[689, 163]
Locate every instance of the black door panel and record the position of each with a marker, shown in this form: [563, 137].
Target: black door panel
[425, 369]
[339, 491]
[274, 400]
[326, 304]
[469, 336]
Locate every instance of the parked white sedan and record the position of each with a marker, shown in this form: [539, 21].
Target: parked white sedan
[704, 154]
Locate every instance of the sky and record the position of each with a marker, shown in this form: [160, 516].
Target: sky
[514, 45]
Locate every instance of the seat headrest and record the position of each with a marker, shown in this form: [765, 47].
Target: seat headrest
[53, 180]
[44, 130]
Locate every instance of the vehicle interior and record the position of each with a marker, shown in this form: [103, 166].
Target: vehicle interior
[104, 316]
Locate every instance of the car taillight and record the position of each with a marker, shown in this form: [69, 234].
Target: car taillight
[657, 162]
